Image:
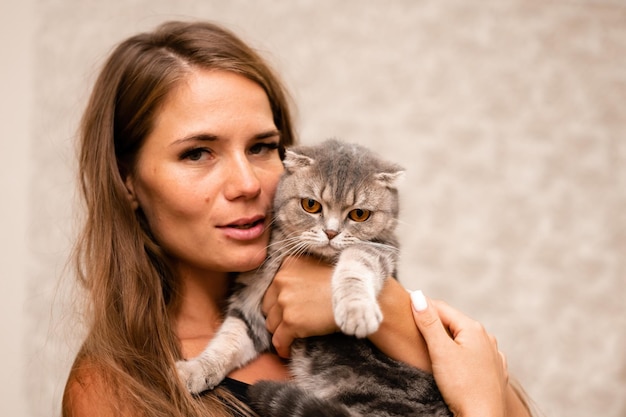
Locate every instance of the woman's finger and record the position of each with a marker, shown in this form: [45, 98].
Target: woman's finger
[269, 299]
[282, 340]
[504, 366]
[427, 320]
[453, 320]
[273, 318]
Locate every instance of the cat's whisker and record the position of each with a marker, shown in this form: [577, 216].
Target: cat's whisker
[285, 245]
[401, 222]
[293, 246]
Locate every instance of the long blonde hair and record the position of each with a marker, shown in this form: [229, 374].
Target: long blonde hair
[131, 287]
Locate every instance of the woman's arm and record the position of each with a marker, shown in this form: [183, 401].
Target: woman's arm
[398, 337]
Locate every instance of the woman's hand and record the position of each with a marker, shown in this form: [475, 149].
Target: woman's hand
[298, 303]
[470, 371]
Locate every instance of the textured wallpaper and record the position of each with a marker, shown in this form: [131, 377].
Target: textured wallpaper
[509, 116]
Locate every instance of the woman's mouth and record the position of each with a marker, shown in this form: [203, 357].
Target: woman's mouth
[246, 225]
[245, 229]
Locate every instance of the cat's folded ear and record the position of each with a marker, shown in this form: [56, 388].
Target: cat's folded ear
[390, 179]
[294, 161]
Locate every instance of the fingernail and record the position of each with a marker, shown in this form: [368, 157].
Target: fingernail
[418, 300]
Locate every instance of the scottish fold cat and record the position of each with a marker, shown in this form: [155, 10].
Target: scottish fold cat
[338, 202]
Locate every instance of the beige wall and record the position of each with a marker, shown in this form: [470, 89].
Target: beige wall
[508, 115]
[16, 105]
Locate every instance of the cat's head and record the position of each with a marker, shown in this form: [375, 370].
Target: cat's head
[334, 195]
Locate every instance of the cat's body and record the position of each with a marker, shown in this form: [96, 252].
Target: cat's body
[338, 202]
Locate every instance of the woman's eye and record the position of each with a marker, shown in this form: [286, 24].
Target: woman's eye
[195, 154]
[263, 148]
[359, 215]
[311, 206]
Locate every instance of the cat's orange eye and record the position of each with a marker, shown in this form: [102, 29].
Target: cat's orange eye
[359, 215]
[311, 206]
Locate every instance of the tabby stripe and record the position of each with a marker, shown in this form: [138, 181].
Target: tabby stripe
[259, 346]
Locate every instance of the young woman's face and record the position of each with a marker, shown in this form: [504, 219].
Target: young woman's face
[206, 175]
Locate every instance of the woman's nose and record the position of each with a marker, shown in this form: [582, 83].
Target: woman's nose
[241, 179]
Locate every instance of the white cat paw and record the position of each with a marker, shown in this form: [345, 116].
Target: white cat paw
[194, 376]
[358, 318]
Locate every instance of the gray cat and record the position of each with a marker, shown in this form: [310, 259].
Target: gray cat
[338, 202]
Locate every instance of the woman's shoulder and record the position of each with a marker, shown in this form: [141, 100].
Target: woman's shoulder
[88, 392]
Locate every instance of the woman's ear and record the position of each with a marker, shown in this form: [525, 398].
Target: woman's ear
[130, 189]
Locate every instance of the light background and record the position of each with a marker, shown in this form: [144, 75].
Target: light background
[510, 117]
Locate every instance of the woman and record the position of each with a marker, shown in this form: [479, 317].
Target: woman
[181, 147]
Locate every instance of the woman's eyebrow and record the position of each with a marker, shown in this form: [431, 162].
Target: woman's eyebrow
[206, 137]
[200, 137]
[268, 134]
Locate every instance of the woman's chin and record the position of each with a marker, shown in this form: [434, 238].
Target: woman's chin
[250, 263]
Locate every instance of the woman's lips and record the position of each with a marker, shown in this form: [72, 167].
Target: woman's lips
[245, 229]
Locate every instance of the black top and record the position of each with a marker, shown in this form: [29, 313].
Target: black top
[237, 388]
[240, 392]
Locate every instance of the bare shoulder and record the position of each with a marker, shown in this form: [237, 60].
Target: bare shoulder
[88, 393]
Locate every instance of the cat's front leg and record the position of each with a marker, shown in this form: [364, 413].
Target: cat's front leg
[200, 374]
[231, 348]
[356, 282]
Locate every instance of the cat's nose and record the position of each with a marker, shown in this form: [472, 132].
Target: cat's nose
[331, 234]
